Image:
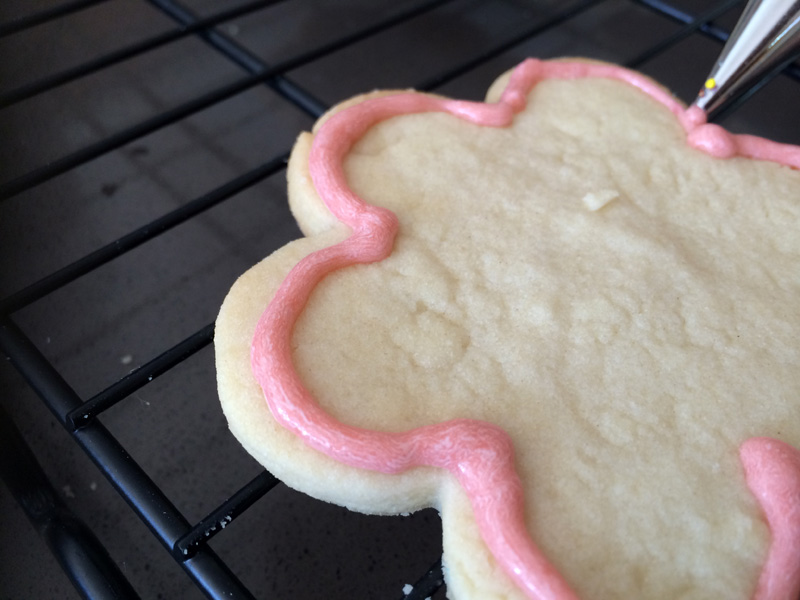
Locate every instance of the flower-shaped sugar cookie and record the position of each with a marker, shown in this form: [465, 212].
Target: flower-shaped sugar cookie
[568, 318]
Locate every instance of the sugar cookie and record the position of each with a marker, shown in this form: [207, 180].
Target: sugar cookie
[567, 318]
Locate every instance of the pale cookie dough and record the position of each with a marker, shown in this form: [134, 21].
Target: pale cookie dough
[623, 305]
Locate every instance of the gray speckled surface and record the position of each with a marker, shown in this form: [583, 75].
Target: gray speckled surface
[124, 313]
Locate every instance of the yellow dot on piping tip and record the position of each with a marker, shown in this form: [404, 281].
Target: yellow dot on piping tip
[711, 83]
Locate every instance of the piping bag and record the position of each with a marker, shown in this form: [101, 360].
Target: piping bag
[765, 40]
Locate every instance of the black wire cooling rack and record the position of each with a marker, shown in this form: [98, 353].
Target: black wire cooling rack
[108, 319]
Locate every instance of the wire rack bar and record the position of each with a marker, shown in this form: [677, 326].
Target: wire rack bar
[538, 29]
[114, 141]
[665, 9]
[114, 461]
[244, 58]
[690, 27]
[49, 14]
[223, 515]
[716, 33]
[427, 584]
[128, 478]
[254, 65]
[48, 83]
[81, 555]
[139, 236]
[138, 378]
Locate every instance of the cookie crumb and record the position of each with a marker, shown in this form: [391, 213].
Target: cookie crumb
[596, 200]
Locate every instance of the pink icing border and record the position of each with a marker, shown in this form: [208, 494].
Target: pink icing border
[479, 454]
[772, 472]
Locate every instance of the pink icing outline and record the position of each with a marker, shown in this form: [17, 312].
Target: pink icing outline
[772, 472]
[479, 454]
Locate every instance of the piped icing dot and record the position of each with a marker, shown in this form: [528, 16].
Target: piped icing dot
[714, 140]
[692, 118]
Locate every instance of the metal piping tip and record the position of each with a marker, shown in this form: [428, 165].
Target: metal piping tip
[766, 38]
